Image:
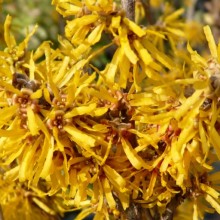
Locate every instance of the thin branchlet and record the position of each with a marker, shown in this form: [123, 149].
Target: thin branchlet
[171, 208]
[129, 8]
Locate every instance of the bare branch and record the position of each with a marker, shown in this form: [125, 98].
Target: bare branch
[171, 208]
[191, 11]
[148, 215]
[129, 8]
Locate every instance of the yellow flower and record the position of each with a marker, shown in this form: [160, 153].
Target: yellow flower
[141, 131]
[194, 33]
[169, 28]
[19, 202]
[49, 113]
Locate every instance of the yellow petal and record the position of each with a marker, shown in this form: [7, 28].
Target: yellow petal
[31, 67]
[143, 53]
[96, 34]
[51, 83]
[72, 88]
[211, 41]
[113, 66]
[9, 87]
[43, 206]
[203, 138]
[215, 140]
[124, 199]
[24, 44]
[124, 67]
[150, 71]
[67, 9]
[48, 162]
[42, 126]
[32, 124]
[74, 25]
[156, 33]
[176, 31]
[27, 163]
[81, 194]
[60, 146]
[101, 196]
[46, 95]
[40, 162]
[81, 138]
[62, 70]
[161, 57]
[115, 178]
[165, 163]
[218, 51]
[209, 190]
[137, 80]
[99, 216]
[116, 22]
[12, 174]
[140, 99]
[165, 195]
[11, 133]
[213, 202]
[102, 94]
[189, 103]
[69, 74]
[108, 194]
[150, 188]
[134, 27]
[126, 46]
[9, 38]
[84, 213]
[195, 211]
[174, 15]
[99, 111]
[133, 157]
[73, 182]
[185, 136]
[81, 110]
[37, 94]
[196, 58]
[79, 35]
[14, 155]
[107, 152]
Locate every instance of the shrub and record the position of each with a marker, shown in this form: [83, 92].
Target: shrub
[133, 138]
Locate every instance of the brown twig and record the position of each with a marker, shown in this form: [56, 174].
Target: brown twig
[129, 8]
[148, 215]
[171, 208]
[190, 13]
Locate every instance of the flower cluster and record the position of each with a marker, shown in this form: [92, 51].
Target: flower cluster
[143, 133]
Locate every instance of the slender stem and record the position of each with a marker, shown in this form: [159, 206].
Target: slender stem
[129, 8]
[171, 208]
[190, 11]
[148, 215]
[133, 212]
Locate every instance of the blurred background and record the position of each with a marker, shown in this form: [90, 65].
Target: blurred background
[27, 13]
